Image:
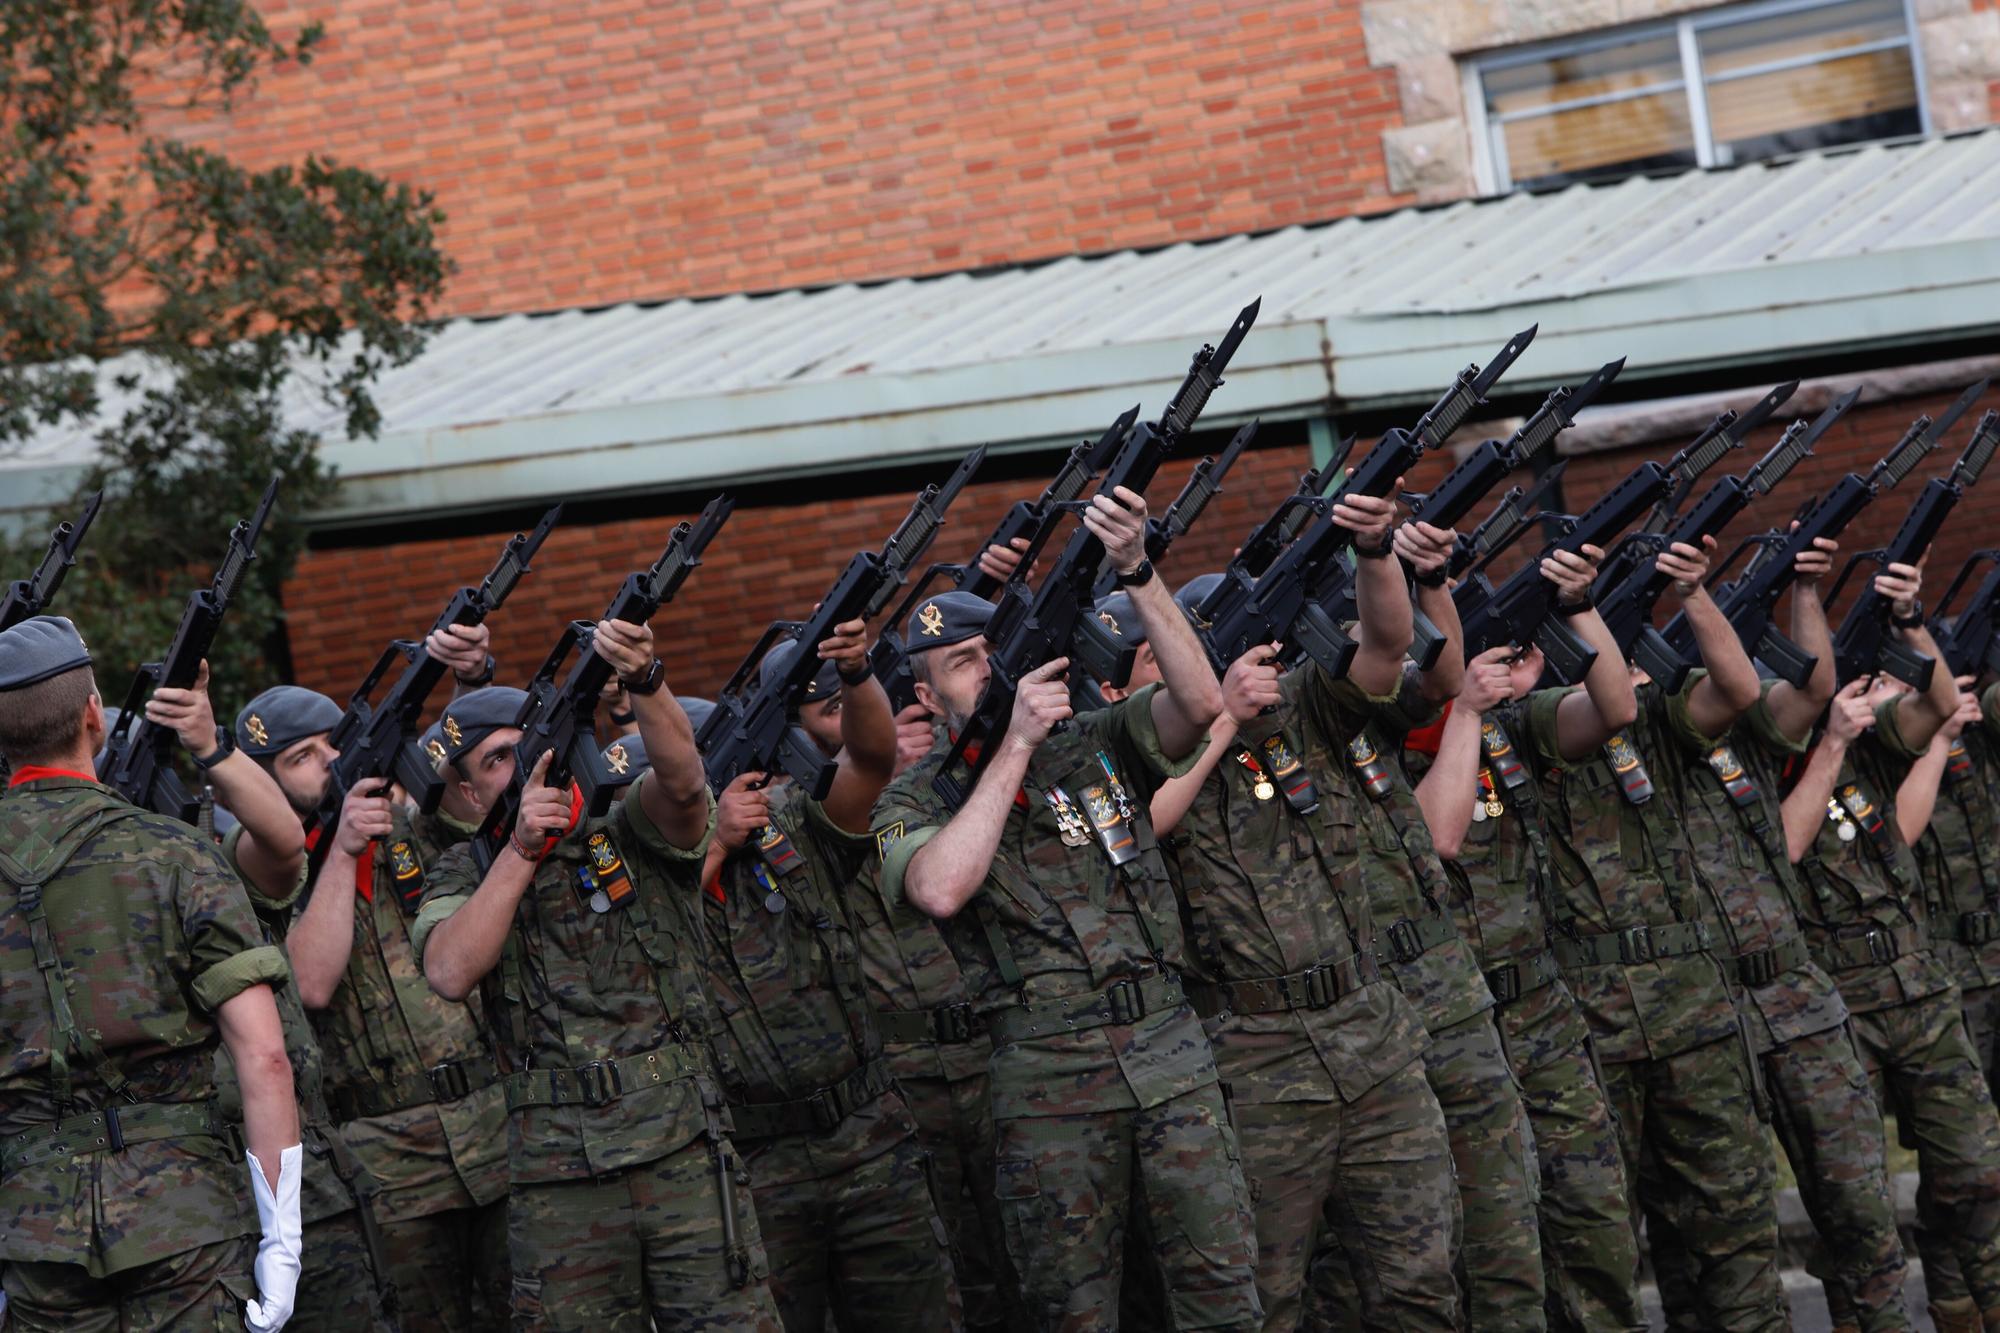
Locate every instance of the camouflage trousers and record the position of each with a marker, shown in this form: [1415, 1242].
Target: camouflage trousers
[1369, 1181]
[1590, 1258]
[202, 1289]
[955, 1127]
[449, 1269]
[1067, 1185]
[624, 1251]
[1925, 1072]
[1982, 1024]
[857, 1241]
[1697, 1156]
[338, 1288]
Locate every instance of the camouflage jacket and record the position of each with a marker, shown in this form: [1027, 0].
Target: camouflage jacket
[1067, 920]
[1737, 832]
[576, 986]
[1960, 868]
[152, 933]
[1267, 891]
[1619, 866]
[1858, 885]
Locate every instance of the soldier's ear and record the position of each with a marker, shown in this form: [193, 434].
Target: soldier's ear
[928, 697]
[1113, 693]
[94, 726]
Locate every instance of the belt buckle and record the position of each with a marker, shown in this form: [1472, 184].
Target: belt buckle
[825, 1108]
[1127, 1002]
[1322, 987]
[600, 1082]
[1756, 969]
[1404, 946]
[448, 1080]
[952, 1023]
[1881, 948]
[1635, 945]
[1976, 927]
[114, 1132]
[1505, 983]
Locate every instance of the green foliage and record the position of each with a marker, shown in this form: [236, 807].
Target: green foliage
[230, 292]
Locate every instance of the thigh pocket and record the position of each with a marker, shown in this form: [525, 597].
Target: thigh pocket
[1017, 1188]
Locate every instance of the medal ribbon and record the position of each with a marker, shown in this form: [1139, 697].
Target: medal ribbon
[1957, 764]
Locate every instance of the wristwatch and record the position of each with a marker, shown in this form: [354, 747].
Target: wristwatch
[484, 678]
[1139, 576]
[225, 745]
[1914, 619]
[648, 684]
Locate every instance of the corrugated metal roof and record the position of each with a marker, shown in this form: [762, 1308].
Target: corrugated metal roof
[1873, 246]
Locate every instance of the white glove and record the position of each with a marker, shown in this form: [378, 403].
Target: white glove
[279, 1252]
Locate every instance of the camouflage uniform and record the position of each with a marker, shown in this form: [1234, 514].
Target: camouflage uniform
[1590, 1257]
[1867, 924]
[1104, 1091]
[1339, 1129]
[616, 1134]
[1635, 940]
[1821, 1106]
[111, 971]
[842, 1193]
[413, 1084]
[344, 1287]
[1418, 946]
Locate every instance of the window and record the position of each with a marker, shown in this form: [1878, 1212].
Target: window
[1710, 89]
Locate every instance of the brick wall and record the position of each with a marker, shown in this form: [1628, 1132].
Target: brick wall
[620, 149]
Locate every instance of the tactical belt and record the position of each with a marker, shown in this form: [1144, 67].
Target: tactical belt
[819, 1113]
[1315, 988]
[1120, 1002]
[450, 1081]
[1640, 944]
[947, 1025]
[1409, 940]
[1767, 965]
[109, 1130]
[1510, 981]
[1977, 927]
[1879, 945]
[600, 1082]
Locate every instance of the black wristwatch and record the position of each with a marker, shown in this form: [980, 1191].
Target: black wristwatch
[1915, 618]
[648, 684]
[860, 677]
[480, 681]
[1567, 609]
[225, 745]
[1376, 552]
[619, 719]
[1435, 579]
[1139, 577]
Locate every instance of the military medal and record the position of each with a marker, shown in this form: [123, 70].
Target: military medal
[1488, 805]
[1075, 833]
[1120, 801]
[1261, 785]
[774, 897]
[1842, 825]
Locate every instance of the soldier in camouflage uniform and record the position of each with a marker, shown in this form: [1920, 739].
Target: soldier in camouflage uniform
[1480, 803]
[628, 1201]
[1637, 944]
[1343, 1141]
[839, 1177]
[130, 951]
[411, 1077]
[1724, 789]
[345, 1287]
[1060, 912]
[1868, 925]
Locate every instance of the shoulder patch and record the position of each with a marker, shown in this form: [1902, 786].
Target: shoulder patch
[888, 836]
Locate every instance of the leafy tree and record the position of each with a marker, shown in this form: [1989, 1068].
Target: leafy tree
[224, 291]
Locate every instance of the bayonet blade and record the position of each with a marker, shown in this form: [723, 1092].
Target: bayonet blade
[1508, 355]
[1234, 338]
[1740, 428]
[1832, 414]
[1959, 407]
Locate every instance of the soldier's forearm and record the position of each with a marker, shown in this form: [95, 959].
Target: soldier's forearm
[1192, 698]
[1805, 807]
[1446, 793]
[322, 939]
[466, 945]
[674, 790]
[946, 871]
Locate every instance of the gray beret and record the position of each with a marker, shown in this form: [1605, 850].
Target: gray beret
[697, 710]
[946, 619]
[824, 684]
[283, 715]
[475, 715]
[1118, 615]
[1195, 591]
[626, 757]
[38, 648]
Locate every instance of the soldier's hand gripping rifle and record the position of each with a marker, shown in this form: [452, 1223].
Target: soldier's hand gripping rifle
[1628, 608]
[1279, 602]
[1970, 639]
[560, 716]
[1058, 620]
[1750, 602]
[1202, 486]
[751, 729]
[31, 596]
[379, 741]
[1866, 641]
[138, 759]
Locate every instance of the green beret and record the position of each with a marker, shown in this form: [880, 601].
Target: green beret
[946, 619]
[38, 648]
[283, 715]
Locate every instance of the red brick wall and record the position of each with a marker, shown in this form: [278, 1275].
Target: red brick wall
[622, 149]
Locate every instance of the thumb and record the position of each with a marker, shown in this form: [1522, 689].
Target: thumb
[201, 677]
[1049, 669]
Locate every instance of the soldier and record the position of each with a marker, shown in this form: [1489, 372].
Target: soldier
[1319, 1050]
[130, 951]
[411, 1078]
[1060, 913]
[1850, 836]
[346, 1285]
[628, 1200]
[1725, 790]
[842, 1194]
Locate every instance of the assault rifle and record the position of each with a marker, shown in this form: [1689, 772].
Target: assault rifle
[31, 596]
[1750, 601]
[1866, 641]
[559, 716]
[751, 729]
[1276, 532]
[1628, 608]
[1970, 640]
[1026, 631]
[375, 742]
[1520, 506]
[138, 757]
[1280, 602]
[1202, 486]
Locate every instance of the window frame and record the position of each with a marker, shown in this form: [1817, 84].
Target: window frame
[1489, 162]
